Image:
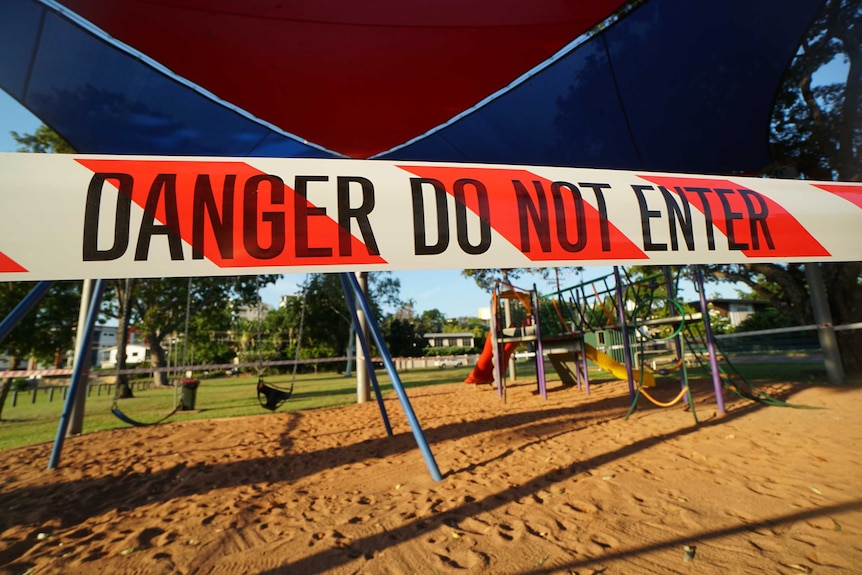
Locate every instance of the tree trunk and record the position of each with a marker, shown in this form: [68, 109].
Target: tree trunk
[124, 292]
[158, 359]
[6, 386]
[845, 303]
[4, 392]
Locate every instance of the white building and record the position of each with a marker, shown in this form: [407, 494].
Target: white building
[135, 354]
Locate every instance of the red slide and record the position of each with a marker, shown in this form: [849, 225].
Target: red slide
[484, 370]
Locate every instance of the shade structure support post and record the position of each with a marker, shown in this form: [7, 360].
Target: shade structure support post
[366, 351]
[624, 328]
[710, 341]
[23, 308]
[393, 375]
[363, 367]
[79, 372]
[76, 419]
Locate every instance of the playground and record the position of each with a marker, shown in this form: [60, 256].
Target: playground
[563, 485]
[222, 141]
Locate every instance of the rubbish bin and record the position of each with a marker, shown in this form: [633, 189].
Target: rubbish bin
[189, 394]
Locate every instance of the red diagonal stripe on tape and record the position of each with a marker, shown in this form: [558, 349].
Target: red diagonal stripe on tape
[8, 265]
[753, 223]
[850, 192]
[540, 218]
[234, 214]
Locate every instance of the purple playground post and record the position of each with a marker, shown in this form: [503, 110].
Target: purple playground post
[710, 342]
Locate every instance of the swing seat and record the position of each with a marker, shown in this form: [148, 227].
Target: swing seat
[126, 419]
[271, 397]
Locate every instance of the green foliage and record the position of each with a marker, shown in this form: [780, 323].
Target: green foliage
[816, 133]
[159, 307]
[770, 318]
[433, 321]
[449, 350]
[48, 328]
[43, 141]
[488, 277]
[817, 128]
[402, 337]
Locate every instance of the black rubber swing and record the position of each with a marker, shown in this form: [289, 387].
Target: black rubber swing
[270, 396]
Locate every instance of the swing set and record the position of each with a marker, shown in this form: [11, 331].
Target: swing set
[269, 395]
[178, 405]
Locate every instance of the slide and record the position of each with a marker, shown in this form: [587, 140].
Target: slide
[484, 370]
[614, 367]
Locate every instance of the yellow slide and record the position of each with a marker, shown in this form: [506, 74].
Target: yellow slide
[614, 367]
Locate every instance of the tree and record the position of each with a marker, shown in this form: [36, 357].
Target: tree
[43, 141]
[402, 336]
[45, 333]
[160, 306]
[124, 288]
[486, 278]
[817, 134]
[432, 321]
[817, 128]
[327, 320]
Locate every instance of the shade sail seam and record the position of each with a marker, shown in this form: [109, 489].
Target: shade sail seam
[620, 101]
[598, 29]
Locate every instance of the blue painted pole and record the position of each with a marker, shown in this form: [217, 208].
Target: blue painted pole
[396, 381]
[710, 342]
[366, 350]
[621, 315]
[82, 365]
[23, 308]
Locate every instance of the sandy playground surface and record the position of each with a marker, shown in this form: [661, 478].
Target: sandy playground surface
[530, 486]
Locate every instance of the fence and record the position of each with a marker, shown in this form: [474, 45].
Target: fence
[59, 391]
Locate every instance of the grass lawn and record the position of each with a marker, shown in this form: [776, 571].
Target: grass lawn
[33, 422]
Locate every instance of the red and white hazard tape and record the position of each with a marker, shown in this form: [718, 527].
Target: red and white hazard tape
[107, 216]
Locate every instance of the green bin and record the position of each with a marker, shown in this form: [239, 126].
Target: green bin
[189, 394]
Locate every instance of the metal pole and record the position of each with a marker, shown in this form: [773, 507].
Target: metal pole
[23, 308]
[671, 295]
[710, 342]
[76, 420]
[621, 315]
[362, 368]
[507, 317]
[540, 350]
[351, 350]
[825, 329]
[396, 381]
[366, 351]
[78, 373]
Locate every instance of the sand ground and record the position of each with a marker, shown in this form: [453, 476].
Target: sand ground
[565, 485]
